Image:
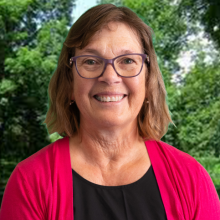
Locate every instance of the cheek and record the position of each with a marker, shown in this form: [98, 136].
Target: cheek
[77, 83]
[138, 86]
[79, 87]
[137, 94]
[82, 88]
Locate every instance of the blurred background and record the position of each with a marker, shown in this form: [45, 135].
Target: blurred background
[187, 43]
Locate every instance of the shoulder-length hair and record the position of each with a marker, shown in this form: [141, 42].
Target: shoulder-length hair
[63, 118]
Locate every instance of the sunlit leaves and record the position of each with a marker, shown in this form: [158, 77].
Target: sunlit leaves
[7, 86]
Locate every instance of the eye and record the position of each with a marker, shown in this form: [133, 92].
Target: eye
[90, 62]
[128, 61]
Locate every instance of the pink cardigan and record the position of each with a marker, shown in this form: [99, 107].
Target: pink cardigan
[41, 186]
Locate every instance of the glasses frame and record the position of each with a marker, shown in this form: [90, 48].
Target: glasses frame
[110, 61]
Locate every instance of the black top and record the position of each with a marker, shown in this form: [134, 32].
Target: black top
[136, 201]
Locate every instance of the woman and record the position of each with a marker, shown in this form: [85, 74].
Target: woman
[107, 98]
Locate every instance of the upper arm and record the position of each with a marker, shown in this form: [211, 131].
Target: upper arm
[207, 204]
[20, 200]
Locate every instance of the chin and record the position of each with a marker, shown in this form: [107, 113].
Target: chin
[113, 122]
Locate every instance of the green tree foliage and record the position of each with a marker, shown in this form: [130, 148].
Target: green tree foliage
[114, 2]
[199, 113]
[33, 32]
[20, 22]
[206, 12]
[26, 106]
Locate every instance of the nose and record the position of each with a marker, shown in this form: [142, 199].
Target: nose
[110, 76]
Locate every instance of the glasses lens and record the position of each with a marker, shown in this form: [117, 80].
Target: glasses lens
[89, 66]
[128, 65]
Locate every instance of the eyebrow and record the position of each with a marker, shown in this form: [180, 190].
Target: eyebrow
[96, 52]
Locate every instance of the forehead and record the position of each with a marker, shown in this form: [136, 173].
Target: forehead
[116, 36]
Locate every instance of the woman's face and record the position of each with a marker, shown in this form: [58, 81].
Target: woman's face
[110, 42]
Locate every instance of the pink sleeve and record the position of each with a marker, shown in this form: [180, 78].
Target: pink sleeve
[207, 206]
[19, 200]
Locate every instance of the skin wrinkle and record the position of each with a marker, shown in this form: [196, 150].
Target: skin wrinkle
[110, 149]
[108, 142]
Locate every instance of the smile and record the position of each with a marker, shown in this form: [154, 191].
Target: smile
[109, 98]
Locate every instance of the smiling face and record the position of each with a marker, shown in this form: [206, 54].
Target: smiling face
[110, 100]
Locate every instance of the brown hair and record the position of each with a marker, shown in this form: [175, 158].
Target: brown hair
[153, 118]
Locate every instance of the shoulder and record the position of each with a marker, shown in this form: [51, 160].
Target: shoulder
[177, 154]
[39, 159]
[169, 154]
[42, 163]
[179, 166]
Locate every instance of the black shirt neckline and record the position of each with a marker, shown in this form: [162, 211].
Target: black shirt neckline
[112, 187]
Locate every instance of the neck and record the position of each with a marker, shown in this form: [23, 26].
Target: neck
[108, 149]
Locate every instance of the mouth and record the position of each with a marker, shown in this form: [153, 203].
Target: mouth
[112, 98]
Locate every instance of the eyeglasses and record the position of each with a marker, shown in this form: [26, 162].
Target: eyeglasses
[127, 65]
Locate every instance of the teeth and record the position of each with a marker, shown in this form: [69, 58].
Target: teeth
[109, 98]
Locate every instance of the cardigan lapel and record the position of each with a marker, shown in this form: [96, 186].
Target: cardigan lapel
[165, 181]
[63, 181]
